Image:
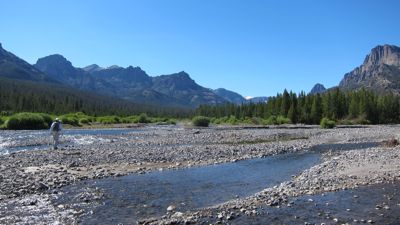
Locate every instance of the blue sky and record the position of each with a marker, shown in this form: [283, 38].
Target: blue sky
[256, 48]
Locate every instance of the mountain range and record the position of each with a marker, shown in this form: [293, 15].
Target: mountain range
[130, 83]
[379, 72]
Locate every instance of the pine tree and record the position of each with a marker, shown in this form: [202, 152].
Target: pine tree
[285, 104]
[316, 109]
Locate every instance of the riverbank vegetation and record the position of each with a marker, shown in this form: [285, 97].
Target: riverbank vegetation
[28, 121]
[34, 121]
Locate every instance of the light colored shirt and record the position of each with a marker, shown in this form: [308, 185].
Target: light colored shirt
[52, 127]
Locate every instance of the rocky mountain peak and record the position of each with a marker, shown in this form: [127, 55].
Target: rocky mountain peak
[318, 88]
[55, 60]
[136, 68]
[92, 68]
[182, 75]
[114, 67]
[59, 68]
[180, 79]
[383, 54]
[379, 72]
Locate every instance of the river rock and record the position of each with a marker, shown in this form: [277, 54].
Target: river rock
[171, 208]
[177, 215]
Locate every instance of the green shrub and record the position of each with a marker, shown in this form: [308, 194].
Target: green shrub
[1, 121]
[215, 120]
[345, 122]
[172, 121]
[158, 120]
[225, 120]
[131, 119]
[143, 118]
[362, 119]
[109, 119]
[277, 120]
[232, 120]
[117, 119]
[26, 121]
[70, 119]
[327, 123]
[76, 119]
[80, 114]
[84, 121]
[134, 119]
[47, 118]
[162, 120]
[201, 121]
[125, 120]
[252, 120]
[283, 120]
[271, 120]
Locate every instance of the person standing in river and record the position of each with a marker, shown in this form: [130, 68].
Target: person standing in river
[55, 131]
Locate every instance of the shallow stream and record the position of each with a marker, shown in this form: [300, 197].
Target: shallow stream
[131, 198]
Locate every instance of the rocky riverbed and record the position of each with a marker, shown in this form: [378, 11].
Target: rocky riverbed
[29, 180]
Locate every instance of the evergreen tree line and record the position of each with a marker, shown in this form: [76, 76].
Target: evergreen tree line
[25, 96]
[360, 107]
